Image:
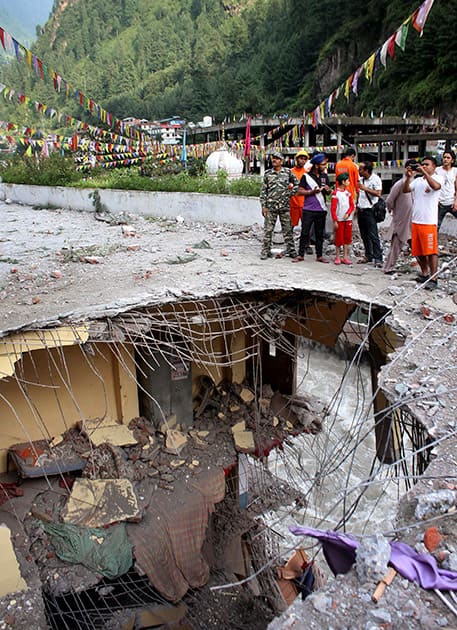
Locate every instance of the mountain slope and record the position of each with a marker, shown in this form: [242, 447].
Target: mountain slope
[21, 18]
[156, 58]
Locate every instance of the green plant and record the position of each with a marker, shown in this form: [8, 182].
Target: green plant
[54, 170]
[246, 186]
[61, 171]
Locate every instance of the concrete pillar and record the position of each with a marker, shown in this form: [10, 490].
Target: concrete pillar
[306, 136]
[405, 150]
[388, 431]
[262, 150]
[339, 141]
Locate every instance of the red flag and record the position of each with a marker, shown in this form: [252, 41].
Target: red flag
[74, 142]
[420, 16]
[247, 145]
[391, 46]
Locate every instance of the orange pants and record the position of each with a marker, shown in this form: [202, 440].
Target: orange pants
[296, 209]
[424, 239]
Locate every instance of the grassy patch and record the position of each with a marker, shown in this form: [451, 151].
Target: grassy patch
[60, 171]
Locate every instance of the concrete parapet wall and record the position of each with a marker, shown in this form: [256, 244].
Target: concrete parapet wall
[190, 206]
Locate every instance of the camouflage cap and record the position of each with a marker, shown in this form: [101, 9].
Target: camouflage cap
[278, 155]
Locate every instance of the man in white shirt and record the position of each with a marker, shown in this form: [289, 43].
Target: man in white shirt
[448, 193]
[370, 189]
[424, 227]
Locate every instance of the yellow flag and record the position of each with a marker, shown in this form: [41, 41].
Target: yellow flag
[369, 67]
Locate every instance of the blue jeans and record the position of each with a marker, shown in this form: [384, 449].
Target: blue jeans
[369, 232]
[442, 212]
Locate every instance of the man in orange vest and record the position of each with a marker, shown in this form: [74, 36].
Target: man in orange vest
[347, 165]
[296, 201]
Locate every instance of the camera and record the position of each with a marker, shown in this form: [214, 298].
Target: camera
[414, 166]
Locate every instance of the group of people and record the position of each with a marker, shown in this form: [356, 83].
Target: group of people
[418, 203]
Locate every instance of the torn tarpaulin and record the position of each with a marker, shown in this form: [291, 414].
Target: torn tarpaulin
[340, 550]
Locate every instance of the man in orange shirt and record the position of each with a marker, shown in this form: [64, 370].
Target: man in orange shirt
[296, 201]
[347, 165]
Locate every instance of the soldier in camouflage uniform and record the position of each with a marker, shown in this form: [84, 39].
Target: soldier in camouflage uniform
[279, 184]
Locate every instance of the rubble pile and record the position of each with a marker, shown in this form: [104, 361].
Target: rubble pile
[89, 525]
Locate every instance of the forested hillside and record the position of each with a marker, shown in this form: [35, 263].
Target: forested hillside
[156, 58]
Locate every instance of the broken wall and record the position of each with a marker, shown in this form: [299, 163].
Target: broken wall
[230, 348]
[51, 389]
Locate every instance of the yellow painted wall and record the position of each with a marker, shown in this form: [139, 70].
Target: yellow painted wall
[51, 390]
[226, 348]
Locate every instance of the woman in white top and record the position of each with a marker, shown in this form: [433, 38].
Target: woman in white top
[448, 193]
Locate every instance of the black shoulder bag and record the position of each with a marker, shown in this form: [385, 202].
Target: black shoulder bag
[379, 208]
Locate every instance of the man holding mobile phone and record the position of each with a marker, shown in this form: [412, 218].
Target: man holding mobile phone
[314, 208]
[424, 226]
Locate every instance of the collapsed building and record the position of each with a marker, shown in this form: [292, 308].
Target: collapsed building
[146, 376]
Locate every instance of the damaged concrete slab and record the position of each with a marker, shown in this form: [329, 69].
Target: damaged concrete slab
[96, 503]
[105, 431]
[128, 277]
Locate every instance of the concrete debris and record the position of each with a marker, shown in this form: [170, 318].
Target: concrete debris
[401, 389]
[372, 557]
[264, 404]
[452, 561]
[320, 602]
[246, 395]
[380, 615]
[176, 463]
[105, 431]
[99, 503]
[345, 604]
[244, 440]
[434, 503]
[169, 423]
[128, 230]
[92, 260]
[175, 441]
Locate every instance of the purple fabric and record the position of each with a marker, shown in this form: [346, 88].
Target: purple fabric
[339, 551]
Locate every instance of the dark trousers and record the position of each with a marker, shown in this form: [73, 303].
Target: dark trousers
[312, 218]
[442, 212]
[369, 232]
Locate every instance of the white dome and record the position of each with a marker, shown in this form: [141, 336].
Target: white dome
[223, 160]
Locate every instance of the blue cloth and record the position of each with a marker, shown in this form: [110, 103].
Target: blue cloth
[318, 158]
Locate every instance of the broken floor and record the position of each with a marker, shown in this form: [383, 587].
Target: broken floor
[57, 266]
